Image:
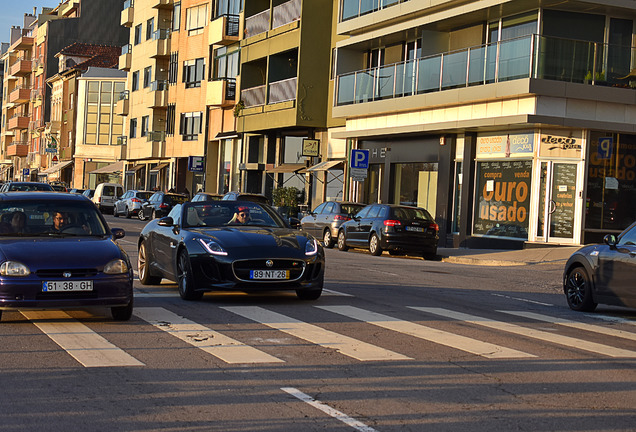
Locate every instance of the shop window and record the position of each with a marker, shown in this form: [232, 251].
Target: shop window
[415, 184]
[372, 183]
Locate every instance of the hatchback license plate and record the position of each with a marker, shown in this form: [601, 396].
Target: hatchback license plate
[67, 286]
[414, 229]
[269, 274]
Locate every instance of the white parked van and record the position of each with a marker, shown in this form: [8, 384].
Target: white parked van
[105, 196]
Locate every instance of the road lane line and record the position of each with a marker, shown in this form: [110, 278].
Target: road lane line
[575, 324]
[227, 349]
[522, 299]
[83, 344]
[441, 337]
[343, 344]
[531, 333]
[349, 421]
[176, 294]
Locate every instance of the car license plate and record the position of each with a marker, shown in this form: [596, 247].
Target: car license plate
[414, 229]
[67, 286]
[269, 274]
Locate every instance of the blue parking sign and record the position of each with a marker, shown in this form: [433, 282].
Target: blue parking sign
[359, 159]
[605, 147]
[25, 171]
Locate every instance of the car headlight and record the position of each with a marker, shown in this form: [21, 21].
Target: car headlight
[311, 247]
[14, 268]
[116, 266]
[212, 247]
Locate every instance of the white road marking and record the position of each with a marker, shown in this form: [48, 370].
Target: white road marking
[349, 421]
[522, 299]
[441, 337]
[343, 344]
[335, 293]
[575, 324]
[531, 333]
[220, 346]
[82, 343]
[176, 295]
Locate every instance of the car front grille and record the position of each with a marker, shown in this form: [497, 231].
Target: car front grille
[57, 273]
[242, 268]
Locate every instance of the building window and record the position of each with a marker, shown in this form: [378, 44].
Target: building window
[226, 64]
[150, 28]
[190, 126]
[137, 34]
[193, 71]
[196, 19]
[228, 7]
[147, 76]
[144, 126]
[102, 125]
[170, 119]
[176, 16]
[173, 68]
[133, 128]
[135, 81]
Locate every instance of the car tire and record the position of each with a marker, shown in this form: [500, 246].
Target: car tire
[122, 313]
[185, 278]
[143, 267]
[128, 213]
[141, 215]
[115, 212]
[153, 215]
[578, 290]
[374, 245]
[327, 239]
[342, 244]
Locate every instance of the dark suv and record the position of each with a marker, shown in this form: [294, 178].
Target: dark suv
[15, 186]
[160, 204]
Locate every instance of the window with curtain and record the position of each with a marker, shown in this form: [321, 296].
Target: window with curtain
[190, 126]
[196, 19]
[193, 72]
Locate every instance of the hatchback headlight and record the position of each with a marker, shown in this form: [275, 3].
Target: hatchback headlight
[116, 266]
[212, 247]
[14, 268]
[311, 247]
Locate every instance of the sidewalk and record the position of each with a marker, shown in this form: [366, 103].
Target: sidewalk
[493, 257]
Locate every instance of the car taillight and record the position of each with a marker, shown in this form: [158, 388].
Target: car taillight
[434, 226]
[163, 206]
[341, 218]
[135, 200]
[393, 223]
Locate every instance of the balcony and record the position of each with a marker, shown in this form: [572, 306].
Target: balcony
[22, 44]
[221, 92]
[20, 149]
[531, 56]
[355, 8]
[224, 30]
[159, 89]
[282, 91]
[125, 59]
[286, 13]
[162, 4]
[254, 96]
[257, 24]
[18, 122]
[128, 14]
[20, 95]
[69, 8]
[161, 43]
[122, 105]
[20, 68]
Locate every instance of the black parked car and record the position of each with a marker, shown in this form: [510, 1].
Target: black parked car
[206, 196]
[244, 196]
[13, 186]
[206, 246]
[159, 204]
[602, 273]
[398, 229]
[325, 220]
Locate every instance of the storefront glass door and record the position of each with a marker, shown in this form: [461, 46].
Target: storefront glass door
[557, 202]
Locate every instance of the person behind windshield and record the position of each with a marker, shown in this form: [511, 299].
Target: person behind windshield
[241, 217]
[18, 222]
[59, 221]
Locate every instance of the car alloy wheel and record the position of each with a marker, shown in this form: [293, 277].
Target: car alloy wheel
[578, 290]
[342, 244]
[327, 240]
[140, 215]
[143, 267]
[374, 245]
[185, 278]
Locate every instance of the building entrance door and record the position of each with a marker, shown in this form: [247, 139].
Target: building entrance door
[557, 202]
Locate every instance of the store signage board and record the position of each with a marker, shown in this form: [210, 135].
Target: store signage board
[196, 163]
[560, 144]
[311, 147]
[504, 146]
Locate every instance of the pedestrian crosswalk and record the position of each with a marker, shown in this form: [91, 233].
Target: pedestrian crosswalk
[91, 349]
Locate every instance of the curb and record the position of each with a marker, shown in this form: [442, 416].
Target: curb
[483, 262]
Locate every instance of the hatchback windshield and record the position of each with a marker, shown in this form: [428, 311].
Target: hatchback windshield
[49, 218]
[230, 213]
[411, 213]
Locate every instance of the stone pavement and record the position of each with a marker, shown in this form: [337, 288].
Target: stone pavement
[493, 257]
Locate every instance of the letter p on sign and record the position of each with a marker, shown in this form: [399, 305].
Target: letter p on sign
[359, 159]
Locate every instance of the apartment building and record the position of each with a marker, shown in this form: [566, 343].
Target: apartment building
[512, 122]
[284, 109]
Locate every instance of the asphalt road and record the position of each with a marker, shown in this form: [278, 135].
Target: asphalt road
[394, 344]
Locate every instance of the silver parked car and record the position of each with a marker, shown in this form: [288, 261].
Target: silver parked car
[130, 202]
[323, 222]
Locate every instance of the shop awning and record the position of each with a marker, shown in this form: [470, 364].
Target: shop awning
[135, 168]
[285, 168]
[160, 167]
[226, 135]
[55, 168]
[323, 166]
[109, 169]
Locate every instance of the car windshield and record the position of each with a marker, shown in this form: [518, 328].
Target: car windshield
[29, 187]
[411, 213]
[230, 213]
[351, 208]
[144, 195]
[39, 218]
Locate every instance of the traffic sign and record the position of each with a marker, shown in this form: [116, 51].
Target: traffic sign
[359, 159]
[605, 146]
[25, 171]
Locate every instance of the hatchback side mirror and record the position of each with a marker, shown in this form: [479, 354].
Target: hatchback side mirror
[610, 240]
[118, 233]
[165, 221]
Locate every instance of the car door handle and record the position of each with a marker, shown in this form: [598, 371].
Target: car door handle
[173, 245]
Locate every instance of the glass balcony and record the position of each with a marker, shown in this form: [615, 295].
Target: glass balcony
[254, 96]
[257, 24]
[286, 13]
[531, 56]
[355, 8]
[282, 91]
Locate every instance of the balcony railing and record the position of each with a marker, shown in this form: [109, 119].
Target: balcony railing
[257, 24]
[254, 96]
[232, 24]
[286, 13]
[531, 56]
[159, 85]
[281, 91]
[160, 34]
[355, 8]
[129, 4]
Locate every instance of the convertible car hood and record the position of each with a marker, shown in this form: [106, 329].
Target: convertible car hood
[256, 237]
[70, 252]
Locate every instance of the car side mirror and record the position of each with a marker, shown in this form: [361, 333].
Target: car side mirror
[165, 221]
[356, 218]
[294, 222]
[118, 233]
[610, 240]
